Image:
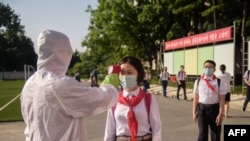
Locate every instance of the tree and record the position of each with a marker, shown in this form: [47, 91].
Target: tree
[126, 28]
[15, 48]
[244, 18]
[75, 58]
[131, 27]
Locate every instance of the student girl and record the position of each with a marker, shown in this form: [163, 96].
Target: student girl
[136, 114]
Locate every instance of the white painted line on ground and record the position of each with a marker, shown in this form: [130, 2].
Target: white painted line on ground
[4, 106]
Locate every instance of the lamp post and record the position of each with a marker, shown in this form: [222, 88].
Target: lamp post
[159, 60]
[208, 4]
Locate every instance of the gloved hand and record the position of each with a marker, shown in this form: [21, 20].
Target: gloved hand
[112, 79]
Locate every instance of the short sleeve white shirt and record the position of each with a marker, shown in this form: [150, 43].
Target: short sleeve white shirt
[226, 77]
[206, 95]
[164, 75]
[246, 75]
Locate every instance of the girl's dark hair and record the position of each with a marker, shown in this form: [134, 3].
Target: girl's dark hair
[222, 68]
[136, 63]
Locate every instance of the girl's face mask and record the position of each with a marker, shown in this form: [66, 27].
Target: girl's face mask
[128, 81]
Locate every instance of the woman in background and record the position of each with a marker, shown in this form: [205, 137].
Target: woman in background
[164, 77]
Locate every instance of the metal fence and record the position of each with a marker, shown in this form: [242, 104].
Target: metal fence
[13, 75]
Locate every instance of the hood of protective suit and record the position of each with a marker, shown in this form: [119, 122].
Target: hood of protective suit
[54, 52]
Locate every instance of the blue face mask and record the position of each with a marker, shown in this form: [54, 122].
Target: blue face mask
[208, 71]
[128, 81]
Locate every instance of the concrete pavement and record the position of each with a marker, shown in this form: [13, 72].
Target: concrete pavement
[236, 99]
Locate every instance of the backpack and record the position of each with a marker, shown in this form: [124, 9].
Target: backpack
[147, 101]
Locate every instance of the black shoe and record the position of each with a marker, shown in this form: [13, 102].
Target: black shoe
[244, 108]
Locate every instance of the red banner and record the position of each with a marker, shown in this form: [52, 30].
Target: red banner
[204, 38]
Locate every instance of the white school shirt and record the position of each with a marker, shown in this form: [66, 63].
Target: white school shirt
[164, 75]
[206, 95]
[226, 77]
[118, 125]
[181, 75]
[245, 75]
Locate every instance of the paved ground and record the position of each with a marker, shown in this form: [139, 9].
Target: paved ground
[235, 103]
[176, 118]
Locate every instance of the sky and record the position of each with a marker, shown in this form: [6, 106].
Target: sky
[66, 16]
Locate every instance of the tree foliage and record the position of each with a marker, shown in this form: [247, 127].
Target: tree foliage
[131, 27]
[15, 48]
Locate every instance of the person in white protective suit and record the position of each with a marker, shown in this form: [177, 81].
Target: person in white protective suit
[54, 105]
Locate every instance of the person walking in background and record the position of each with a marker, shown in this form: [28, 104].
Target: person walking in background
[136, 115]
[78, 76]
[247, 82]
[226, 77]
[94, 77]
[163, 80]
[208, 104]
[53, 105]
[181, 81]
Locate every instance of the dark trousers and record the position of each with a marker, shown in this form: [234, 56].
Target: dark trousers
[183, 86]
[206, 115]
[247, 99]
[94, 82]
[145, 85]
[164, 84]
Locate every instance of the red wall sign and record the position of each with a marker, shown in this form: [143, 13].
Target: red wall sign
[204, 38]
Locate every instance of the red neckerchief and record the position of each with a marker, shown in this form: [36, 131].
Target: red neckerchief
[208, 84]
[132, 122]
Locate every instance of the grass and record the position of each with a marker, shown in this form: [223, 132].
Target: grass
[8, 91]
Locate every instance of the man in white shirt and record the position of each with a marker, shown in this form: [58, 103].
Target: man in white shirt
[247, 82]
[208, 103]
[54, 105]
[181, 80]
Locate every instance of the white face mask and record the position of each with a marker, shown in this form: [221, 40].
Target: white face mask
[128, 81]
[208, 72]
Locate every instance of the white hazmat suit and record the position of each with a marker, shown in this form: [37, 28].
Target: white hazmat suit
[54, 105]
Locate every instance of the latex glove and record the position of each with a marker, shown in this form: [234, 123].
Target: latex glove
[112, 79]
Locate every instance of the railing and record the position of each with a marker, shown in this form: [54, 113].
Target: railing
[189, 78]
[13, 75]
[192, 78]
